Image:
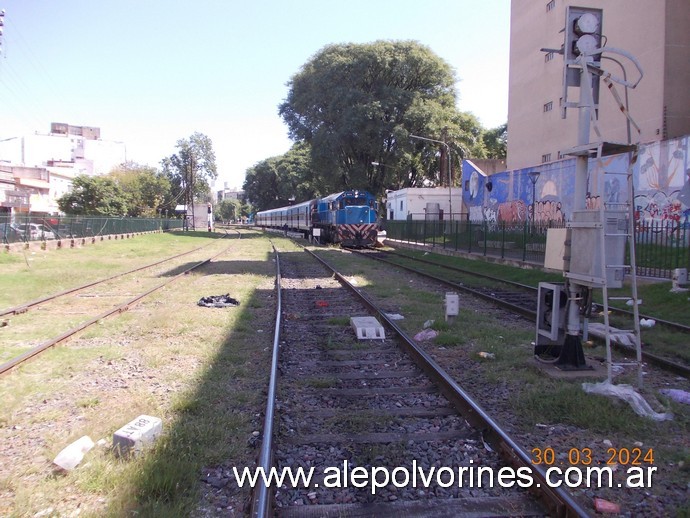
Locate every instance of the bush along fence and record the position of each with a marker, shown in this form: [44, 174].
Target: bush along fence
[660, 247]
[28, 227]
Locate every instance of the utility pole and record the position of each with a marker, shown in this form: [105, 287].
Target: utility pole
[450, 192]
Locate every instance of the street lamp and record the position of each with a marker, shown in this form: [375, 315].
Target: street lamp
[533, 176]
[450, 193]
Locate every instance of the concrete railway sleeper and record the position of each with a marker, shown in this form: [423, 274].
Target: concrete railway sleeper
[376, 426]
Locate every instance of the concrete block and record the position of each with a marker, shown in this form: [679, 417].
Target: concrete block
[367, 328]
[134, 436]
[452, 304]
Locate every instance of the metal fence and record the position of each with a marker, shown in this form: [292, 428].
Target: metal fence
[660, 247]
[28, 227]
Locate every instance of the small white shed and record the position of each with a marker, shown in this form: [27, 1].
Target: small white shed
[424, 203]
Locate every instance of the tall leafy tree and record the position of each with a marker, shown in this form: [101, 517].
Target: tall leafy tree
[261, 184]
[94, 196]
[231, 210]
[192, 169]
[146, 188]
[358, 103]
[283, 179]
[496, 141]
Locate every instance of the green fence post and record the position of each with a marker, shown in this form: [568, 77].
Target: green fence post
[503, 239]
[469, 237]
[524, 241]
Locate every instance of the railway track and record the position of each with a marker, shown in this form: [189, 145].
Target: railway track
[516, 297]
[60, 316]
[675, 326]
[376, 407]
[23, 308]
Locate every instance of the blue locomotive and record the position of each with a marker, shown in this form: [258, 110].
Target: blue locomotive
[348, 218]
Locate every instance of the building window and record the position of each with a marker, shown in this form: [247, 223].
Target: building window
[401, 205]
[550, 5]
[546, 158]
[548, 56]
[548, 106]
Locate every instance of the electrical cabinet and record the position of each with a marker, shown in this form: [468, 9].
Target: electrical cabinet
[586, 256]
[551, 307]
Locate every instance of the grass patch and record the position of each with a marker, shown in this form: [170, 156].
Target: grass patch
[529, 277]
[446, 339]
[554, 402]
[88, 403]
[26, 276]
[339, 321]
[657, 301]
[166, 357]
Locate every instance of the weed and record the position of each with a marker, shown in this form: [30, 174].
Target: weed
[88, 403]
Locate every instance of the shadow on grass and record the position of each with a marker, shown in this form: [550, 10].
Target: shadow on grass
[213, 424]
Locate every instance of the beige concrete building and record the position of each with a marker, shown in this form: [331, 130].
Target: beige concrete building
[655, 32]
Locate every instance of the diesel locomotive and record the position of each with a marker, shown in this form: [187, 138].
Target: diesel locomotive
[348, 218]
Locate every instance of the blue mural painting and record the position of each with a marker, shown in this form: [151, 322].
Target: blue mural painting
[661, 180]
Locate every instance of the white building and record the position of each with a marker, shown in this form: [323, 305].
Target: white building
[43, 166]
[425, 203]
[229, 193]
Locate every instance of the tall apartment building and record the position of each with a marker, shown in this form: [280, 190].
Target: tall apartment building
[42, 166]
[655, 32]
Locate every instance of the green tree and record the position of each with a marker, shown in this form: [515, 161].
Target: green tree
[94, 196]
[191, 170]
[277, 181]
[496, 142]
[146, 188]
[358, 103]
[227, 210]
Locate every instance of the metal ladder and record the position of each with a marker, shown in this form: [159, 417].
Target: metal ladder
[628, 234]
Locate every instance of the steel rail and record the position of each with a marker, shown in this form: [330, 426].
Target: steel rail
[558, 501]
[23, 308]
[459, 270]
[672, 325]
[664, 363]
[121, 308]
[261, 501]
[512, 307]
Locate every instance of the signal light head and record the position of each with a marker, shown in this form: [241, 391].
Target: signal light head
[588, 23]
[582, 33]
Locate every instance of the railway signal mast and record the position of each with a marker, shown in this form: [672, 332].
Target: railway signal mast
[593, 253]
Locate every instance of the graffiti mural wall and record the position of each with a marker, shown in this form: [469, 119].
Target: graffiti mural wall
[661, 180]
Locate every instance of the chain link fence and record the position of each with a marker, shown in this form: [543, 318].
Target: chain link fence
[27, 227]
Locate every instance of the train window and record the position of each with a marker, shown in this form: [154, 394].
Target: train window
[355, 201]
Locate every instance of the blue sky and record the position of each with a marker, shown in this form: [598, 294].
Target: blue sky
[151, 72]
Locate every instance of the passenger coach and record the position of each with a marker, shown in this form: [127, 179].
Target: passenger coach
[348, 218]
